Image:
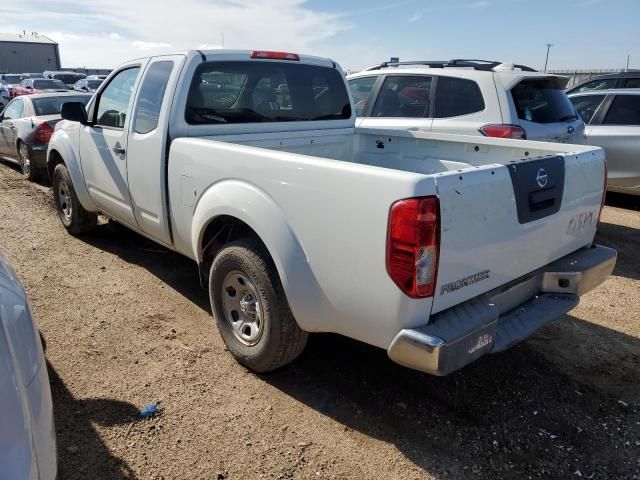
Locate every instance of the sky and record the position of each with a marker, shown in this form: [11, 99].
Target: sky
[356, 33]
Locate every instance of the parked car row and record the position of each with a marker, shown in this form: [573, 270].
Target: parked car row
[12, 85]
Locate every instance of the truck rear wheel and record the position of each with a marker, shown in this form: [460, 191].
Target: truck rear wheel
[72, 215]
[251, 309]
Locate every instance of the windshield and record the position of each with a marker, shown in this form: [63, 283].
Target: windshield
[52, 105]
[542, 101]
[257, 91]
[93, 84]
[12, 79]
[49, 84]
[68, 78]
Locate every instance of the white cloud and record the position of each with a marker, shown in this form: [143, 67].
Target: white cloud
[148, 26]
[415, 17]
[146, 46]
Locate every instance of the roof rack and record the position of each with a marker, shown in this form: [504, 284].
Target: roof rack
[484, 65]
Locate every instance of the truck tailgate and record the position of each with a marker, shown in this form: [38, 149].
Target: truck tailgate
[500, 222]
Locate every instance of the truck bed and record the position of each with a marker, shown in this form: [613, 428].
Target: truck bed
[345, 183]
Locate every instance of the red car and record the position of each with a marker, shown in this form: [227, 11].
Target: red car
[39, 85]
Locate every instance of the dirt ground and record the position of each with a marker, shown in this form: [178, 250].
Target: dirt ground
[127, 324]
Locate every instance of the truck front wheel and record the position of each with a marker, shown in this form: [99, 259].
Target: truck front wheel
[73, 216]
[251, 309]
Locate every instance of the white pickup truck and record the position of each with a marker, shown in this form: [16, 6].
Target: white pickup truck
[437, 248]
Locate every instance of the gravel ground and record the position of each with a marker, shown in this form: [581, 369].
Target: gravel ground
[126, 324]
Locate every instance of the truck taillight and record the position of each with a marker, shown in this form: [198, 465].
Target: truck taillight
[504, 131]
[43, 133]
[604, 190]
[413, 241]
[275, 55]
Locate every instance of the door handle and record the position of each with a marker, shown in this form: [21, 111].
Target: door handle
[117, 149]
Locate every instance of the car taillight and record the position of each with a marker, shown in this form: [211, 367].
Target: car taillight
[413, 241]
[604, 190]
[504, 131]
[43, 133]
[275, 55]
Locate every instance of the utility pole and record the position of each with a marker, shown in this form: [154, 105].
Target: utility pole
[626, 69]
[549, 45]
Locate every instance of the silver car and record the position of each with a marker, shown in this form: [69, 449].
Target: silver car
[613, 122]
[27, 123]
[27, 434]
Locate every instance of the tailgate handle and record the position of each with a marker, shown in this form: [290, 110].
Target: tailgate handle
[542, 199]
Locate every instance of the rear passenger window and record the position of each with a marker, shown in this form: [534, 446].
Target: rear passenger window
[587, 105]
[457, 96]
[632, 83]
[151, 95]
[625, 110]
[403, 96]
[361, 89]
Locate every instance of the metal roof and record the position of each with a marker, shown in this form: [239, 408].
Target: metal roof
[32, 37]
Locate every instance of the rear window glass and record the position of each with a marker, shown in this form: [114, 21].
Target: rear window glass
[542, 101]
[625, 110]
[52, 105]
[457, 96]
[587, 105]
[11, 79]
[403, 96]
[265, 91]
[632, 83]
[46, 84]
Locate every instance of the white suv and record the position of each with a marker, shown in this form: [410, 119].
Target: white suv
[471, 97]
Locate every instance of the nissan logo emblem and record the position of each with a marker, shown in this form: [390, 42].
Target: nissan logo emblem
[542, 178]
[570, 129]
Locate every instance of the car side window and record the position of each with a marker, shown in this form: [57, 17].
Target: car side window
[113, 104]
[151, 95]
[632, 83]
[587, 105]
[14, 110]
[624, 110]
[602, 84]
[457, 96]
[403, 96]
[361, 89]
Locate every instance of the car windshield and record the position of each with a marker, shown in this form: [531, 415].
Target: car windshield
[52, 105]
[254, 92]
[48, 84]
[541, 100]
[68, 78]
[94, 83]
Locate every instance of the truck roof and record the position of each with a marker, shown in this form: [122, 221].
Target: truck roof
[239, 55]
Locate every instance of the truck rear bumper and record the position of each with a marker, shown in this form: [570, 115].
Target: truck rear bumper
[499, 319]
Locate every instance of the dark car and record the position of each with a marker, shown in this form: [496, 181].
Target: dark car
[608, 82]
[69, 78]
[32, 75]
[87, 85]
[26, 125]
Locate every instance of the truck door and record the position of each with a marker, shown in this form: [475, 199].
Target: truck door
[103, 145]
[147, 146]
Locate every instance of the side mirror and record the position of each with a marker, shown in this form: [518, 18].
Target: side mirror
[74, 112]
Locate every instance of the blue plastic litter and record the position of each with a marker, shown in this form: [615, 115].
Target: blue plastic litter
[149, 411]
